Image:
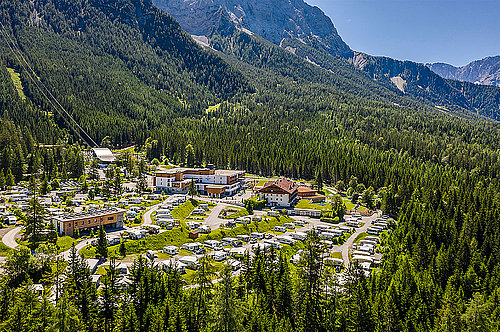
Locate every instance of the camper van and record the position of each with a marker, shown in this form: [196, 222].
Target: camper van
[373, 231]
[279, 229]
[257, 235]
[300, 236]
[353, 223]
[219, 256]
[214, 245]
[285, 239]
[273, 244]
[171, 250]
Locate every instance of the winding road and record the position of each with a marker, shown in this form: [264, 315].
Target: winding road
[346, 247]
[9, 239]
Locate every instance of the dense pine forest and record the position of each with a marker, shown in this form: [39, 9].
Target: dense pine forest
[126, 70]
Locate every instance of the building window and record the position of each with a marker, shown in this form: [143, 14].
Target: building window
[110, 218]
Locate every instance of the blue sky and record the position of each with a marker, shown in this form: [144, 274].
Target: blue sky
[451, 31]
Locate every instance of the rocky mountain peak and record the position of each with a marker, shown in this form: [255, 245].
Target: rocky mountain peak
[274, 20]
[485, 71]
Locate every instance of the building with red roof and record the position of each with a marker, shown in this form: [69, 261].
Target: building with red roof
[281, 192]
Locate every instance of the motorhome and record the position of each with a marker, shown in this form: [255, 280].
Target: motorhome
[219, 256]
[285, 239]
[373, 231]
[279, 229]
[257, 235]
[301, 236]
[353, 223]
[243, 237]
[171, 250]
[373, 238]
[191, 262]
[273, 243]
[191, 246]
[213, 244]
[368, 249]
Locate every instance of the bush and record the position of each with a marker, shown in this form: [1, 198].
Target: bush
[334, 220]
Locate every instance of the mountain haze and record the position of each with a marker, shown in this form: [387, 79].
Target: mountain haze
[485, 71]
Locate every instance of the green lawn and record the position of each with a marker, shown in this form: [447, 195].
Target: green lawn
[305, 204]
[185, 209]
[4, 250]
[16, 79]
[237, 214]
[350, 205]
[336, 255]
[179, 236]
[64, 243]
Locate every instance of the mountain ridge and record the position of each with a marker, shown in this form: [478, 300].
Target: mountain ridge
[407, 77]
[271, 19]
[485, 71]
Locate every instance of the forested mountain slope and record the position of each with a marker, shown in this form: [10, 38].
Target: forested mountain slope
[127, 70]
[307, 32]
[118, 67]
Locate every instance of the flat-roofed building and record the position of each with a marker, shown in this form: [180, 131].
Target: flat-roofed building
[305, 192]
[208, 181]
[104, 155]
[67, 223]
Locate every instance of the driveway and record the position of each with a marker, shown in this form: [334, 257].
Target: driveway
[66, 254]
[147, 215]
[213, 219]
[9, 239]
[346, 247]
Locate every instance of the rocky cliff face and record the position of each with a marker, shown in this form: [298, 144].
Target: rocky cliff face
[485, 71]
[274, 20]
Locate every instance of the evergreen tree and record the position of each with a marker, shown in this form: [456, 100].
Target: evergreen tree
[228, 313]
[319, 180]
[122, 249]
[35, 217]
[190, 156]
[2, 180]
[192, 189]
[94, 171]
[9, 180]
[142, 185]
[102, 243]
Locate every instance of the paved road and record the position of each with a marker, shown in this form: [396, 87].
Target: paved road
[66, 254]
[9, 239]
[147, 215]
[213, 219]
[348, 243]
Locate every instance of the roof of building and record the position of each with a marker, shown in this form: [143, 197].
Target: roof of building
[104, 155]
[304, 190]
[220, 172]
[92, 213]
[227, 172]
[284, 184]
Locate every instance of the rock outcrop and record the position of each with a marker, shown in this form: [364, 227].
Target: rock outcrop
[485, 71]
[274, 20]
